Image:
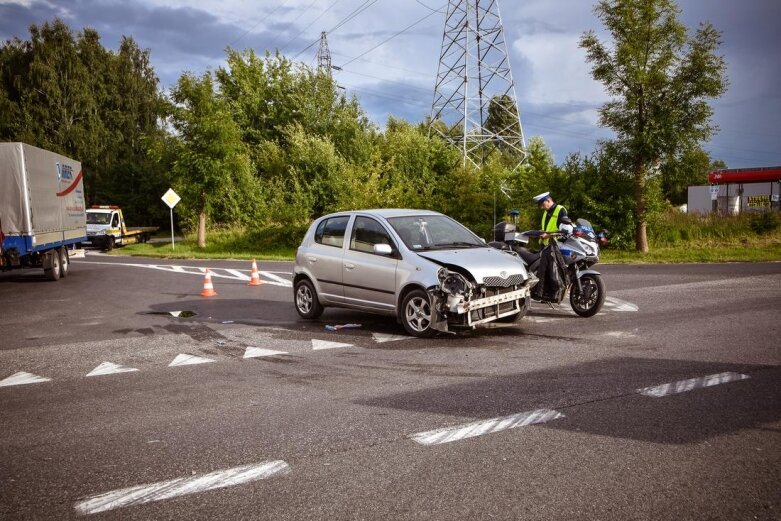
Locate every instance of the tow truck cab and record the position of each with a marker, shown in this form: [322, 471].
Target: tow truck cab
[106, 228]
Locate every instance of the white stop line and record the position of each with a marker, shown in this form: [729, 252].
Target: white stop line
[141, 494]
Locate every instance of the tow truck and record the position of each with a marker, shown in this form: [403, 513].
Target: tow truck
[106, 228]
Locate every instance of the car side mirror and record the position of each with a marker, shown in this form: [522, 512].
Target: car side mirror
[383, 249]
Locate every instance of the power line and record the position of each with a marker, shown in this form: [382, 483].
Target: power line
[308, 26]
[231, 44]
[355, 13]
[385, 65]
[294, 20]
[390, 38]
[426, 89]
[361, 8]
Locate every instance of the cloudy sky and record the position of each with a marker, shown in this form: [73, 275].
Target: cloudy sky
[556, 95]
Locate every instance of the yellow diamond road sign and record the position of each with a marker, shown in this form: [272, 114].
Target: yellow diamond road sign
[171, 198]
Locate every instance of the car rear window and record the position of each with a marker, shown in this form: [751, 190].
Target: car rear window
[330, 232]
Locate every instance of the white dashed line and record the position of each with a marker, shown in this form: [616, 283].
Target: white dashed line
[141, 494]
[691, 384]
[23, 378]
[470, 430]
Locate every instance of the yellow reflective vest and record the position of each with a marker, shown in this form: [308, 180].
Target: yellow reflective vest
[551, 224]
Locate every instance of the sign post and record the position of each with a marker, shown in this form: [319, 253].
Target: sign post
[714, 192]
[171, 198]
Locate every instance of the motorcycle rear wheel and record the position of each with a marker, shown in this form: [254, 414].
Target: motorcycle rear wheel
[588, 302]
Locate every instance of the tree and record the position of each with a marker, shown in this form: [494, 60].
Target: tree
[660, 81]
[212, 165]
[503, 122]
[67, 93]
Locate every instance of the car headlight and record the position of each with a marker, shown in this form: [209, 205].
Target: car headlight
[453, 283]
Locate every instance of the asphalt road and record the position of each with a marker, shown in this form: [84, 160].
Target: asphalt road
[667, 405]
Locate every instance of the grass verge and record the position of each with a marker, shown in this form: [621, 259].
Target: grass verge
[676, 239]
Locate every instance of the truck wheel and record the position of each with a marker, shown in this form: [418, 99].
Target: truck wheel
[53, 272]
[65, 262]
[110, 243]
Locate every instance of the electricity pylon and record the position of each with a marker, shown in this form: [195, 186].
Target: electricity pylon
[475, 105]
[324, 56]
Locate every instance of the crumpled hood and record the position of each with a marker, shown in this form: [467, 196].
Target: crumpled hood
[480, 262]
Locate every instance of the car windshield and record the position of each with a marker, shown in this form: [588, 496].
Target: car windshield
[433, 232]
[98, 217]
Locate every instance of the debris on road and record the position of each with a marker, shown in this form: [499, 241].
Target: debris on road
[342, 326]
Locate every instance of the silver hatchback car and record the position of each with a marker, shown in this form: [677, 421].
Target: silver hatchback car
[422, 267]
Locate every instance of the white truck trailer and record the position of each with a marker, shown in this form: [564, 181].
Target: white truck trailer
[42, 212]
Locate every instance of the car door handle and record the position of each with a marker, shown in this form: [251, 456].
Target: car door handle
[348, 266]
[312, 259]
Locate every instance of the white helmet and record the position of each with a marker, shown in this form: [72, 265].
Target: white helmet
[566, 228]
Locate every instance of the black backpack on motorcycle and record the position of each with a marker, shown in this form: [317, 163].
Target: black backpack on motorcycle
[553, 275]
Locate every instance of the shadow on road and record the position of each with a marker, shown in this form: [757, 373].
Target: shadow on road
[601, 398]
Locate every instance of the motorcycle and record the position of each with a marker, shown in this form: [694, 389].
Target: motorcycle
[575, 250]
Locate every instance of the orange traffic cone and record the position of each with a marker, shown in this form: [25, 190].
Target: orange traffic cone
[255, 276]
[208, 288]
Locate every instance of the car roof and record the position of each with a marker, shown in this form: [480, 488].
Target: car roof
[388, 212]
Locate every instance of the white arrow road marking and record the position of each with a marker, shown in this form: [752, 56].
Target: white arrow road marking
[615, 304]
[141, 494]
[22, 378]
[691, 384]
[182, 359]
[322, 344]
[382, 337]
[110, 368]
[256, 352]
[470, 430]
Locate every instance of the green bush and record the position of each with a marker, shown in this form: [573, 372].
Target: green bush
[764, 222]
[672, 227]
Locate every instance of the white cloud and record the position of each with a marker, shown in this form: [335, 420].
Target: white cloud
[559, 72]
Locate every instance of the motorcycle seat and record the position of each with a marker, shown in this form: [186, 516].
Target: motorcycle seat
[528, 256]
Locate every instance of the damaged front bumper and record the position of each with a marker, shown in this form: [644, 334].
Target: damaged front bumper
[473, 306]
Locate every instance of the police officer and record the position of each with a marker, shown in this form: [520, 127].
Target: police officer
[553, 217]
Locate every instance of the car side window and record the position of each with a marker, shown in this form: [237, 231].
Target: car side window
[330, 232]
[366, 233]
[115, 221]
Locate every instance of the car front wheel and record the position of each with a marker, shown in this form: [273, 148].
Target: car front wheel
[416, 314]
[307, 303]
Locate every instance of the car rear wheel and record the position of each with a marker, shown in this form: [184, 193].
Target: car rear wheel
[416, 314]
[307, 303]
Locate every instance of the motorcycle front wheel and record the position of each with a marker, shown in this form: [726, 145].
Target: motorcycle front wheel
[588, 302]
